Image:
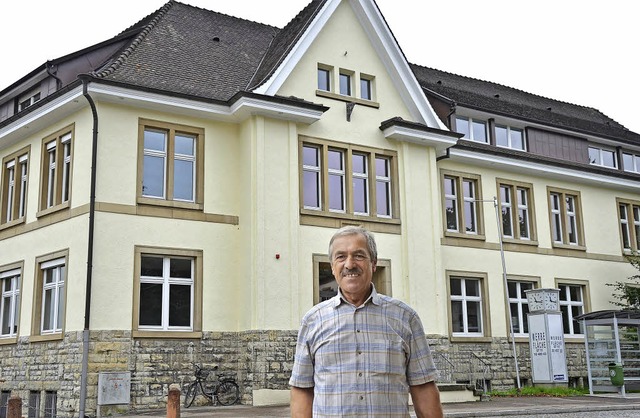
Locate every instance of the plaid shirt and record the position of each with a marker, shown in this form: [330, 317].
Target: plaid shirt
[361, 360]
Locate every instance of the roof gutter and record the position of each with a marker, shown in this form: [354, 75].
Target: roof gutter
[92, 211]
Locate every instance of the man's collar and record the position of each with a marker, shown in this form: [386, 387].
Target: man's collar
[373, 297]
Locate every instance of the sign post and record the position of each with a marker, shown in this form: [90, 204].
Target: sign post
[546, 338]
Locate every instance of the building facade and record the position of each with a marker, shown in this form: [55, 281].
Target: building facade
[158, 215]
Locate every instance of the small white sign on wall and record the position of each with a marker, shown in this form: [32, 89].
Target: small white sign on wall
[114, 388]
[546, 343]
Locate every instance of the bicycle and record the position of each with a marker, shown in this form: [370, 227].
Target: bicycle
[225, 391]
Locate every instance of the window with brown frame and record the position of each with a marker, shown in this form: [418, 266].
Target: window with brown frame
[170, 165]
[462, 205]
[57, 164]
[348, 182]
[517, 211]
[50, 295]
[468, 304]
[629, 218]
[565, 216]
[15, 179]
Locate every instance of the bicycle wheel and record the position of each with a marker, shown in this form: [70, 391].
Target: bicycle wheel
[228, 393]
[192, 391]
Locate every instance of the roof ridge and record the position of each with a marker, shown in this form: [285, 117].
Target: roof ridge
[160, 13]
[225, 14]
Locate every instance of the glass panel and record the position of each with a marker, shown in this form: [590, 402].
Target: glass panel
[501, 137]
[310, 156]
[383, 198]
[517, 140]
[627, 161]
[359, 164]
[472, 287]
[479, 131]
[624, 225]
[608, 158]
[456, 287]
[525, 286]
[154, 140]
[512, 289]
[594, 155]
[449, 186]
[150, 304]
[563, 292]
[345, 84]
[473, 317]
[575, 293]
[335, 160]
[6, 315]
[185, 145]
[323, 80]
[336, 192]
[328, 286]
[462, 127]
[47, 310]
[180, 268]
[180, 305]
[525, 317]
[470, 216]
[451, 215]
[360, 195]
[153, 176]
[566, 326]
[60, 297]
[310, 192]
[382, 167]
[151, 266]
[515, 319]
[365, 89]
[456, 316]
[183, 176]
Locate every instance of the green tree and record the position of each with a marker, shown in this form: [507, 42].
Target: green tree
[627, 293]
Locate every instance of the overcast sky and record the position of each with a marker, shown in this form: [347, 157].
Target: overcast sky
[581, 52]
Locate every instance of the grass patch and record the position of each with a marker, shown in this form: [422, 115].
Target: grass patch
[541, 391]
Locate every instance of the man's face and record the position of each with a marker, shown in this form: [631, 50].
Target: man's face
[352, 267]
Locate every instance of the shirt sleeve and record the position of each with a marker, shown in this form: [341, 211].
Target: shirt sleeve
[421, 368]
[302, 372]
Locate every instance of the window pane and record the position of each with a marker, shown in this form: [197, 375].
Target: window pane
[154, 140]
[183, 177]
[185, 145]
[456, 287]
[501, 136]
[512, 289]
[360, 195]
[472, 287]
[151, 266]
[180, 268]
[608, 158]
[323, 80]
[523, 287]
[359, 164]
[451, 214]
[153, 176]
[575, 293]
[310, 192]
[150, 304]
[328, 286]
[310, 156]
[180, 305]
[456, 316]
[627, 161]
[470, 217]
[525, 318]
[6, 316]
[382, 167]
[515, 319]
[345, 84]
[473, 317]
[479, 131]
[336, 192]
[335, 160]
[517, 139]
[462, 127]
[365, 89]
[383, 198]
[48, 315]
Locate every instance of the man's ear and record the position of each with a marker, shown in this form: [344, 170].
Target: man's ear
[374, 264]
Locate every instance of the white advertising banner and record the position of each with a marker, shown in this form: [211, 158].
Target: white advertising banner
[546, 343]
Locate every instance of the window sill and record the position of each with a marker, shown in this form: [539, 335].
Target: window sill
[479, 237]
[12, 223]
[569, 247]
[573, 339]
[8, 340]
[347, 99]
[532, 243]
[53, 209]
[338, 220]
[47, 337]
[469, 339]
[167, 334]
[169, 203]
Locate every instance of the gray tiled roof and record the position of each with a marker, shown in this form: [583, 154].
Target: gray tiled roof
[508, 101]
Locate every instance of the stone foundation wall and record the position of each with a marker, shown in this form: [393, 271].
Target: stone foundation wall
[259, 359]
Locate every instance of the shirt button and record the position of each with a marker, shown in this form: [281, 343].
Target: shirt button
[359, 352]
[360, 374]
[357, 330]
[361, 398]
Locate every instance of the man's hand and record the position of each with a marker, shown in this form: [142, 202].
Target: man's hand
[426, 400]
[301, 402]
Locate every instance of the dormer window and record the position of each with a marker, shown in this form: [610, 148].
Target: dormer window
[631, 162]
[473, 129]
[28, 100]
[509, 137]
[602, 157]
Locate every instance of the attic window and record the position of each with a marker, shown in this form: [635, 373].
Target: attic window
[28, 100]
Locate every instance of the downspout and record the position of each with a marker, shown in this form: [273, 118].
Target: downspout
[92, 212]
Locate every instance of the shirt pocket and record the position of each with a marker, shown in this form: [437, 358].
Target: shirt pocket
[389, 358]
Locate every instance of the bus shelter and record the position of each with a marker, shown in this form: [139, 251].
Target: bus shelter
[612, 342]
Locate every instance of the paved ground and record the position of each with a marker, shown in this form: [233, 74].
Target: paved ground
[606, 406]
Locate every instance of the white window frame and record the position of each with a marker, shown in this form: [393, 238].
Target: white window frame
[470, 125]
[317, 172]
[565, 293]
[326, 72]
[193, 159]
[29, 100]
[58, 269]
[385, 181]
[464, 299]
[166, 281]
[599, 159]
[509, 139]
[365, 178]
[563, 220]
[520, 302]
[164, 155]
[11, 297]
[631, 162]
[629, 217]
[341, 174]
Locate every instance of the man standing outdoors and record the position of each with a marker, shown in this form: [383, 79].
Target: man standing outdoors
[360, 353]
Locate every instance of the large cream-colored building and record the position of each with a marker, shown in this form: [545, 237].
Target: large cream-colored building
[168, 196]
